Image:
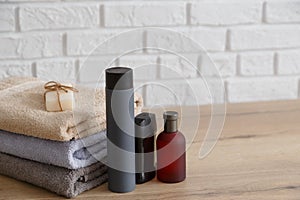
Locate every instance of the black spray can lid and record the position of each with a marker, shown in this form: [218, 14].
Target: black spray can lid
[145, 125]
[119, 78]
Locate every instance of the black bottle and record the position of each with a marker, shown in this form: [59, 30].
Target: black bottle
[120, 129]
[145, 129]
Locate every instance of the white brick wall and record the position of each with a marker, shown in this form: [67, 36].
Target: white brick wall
[265, 37]
[86, 42]
[256, 63]
[211, 39]
[287, 11]
[254, 44]
[83, 42]
[7, 19]
[145, 67]
[225, 63]
[56, 16]
[145, 14]
[30, 45]
[289, 62]
[173, 66]
[60, 70]
[92, 69]
[226, 13]
[15, 68]
[256, 89]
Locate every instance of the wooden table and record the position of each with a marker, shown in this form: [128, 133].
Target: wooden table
[257, 157]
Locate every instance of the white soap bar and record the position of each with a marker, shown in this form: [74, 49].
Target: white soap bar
[66, 100]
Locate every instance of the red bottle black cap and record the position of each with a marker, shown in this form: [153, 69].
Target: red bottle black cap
[119, 78]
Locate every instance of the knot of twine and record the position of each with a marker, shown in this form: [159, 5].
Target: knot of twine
[56, 86]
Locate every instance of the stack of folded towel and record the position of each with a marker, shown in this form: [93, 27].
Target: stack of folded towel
[63, 152]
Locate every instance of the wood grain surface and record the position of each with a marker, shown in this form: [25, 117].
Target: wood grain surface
[256, 157]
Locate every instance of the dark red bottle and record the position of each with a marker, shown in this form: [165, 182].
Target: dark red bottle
[170, 144]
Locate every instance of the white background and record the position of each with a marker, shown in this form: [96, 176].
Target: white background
[255, 44]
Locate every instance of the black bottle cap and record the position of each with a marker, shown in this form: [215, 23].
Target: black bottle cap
[145, 125]
[119, 78]
[170, 118]
[170, 115]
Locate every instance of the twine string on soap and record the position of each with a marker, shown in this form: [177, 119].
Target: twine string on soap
[56, 86]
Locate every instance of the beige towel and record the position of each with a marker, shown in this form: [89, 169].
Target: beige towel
[22, 110]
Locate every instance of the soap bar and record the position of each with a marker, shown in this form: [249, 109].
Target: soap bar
[66, 100]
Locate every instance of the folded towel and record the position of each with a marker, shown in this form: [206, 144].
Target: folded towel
[65, 182]
[73, 154]
[23, 111]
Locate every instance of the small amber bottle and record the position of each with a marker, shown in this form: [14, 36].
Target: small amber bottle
[171, 160]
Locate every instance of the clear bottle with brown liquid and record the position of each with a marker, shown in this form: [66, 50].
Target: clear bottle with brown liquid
[170, 144]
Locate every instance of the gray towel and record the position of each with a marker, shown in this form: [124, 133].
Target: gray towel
[73, 154]
[65, 182]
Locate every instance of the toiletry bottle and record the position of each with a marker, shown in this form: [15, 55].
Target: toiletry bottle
[171, 161]
[145, 129]
[120, 129]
